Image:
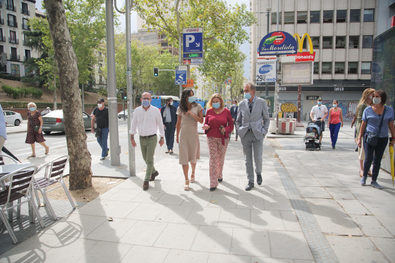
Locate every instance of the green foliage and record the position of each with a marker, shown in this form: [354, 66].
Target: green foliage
[17, 93]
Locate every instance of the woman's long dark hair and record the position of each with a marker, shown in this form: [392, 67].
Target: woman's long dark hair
[184, 99]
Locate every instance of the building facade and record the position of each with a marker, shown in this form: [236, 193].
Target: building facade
[14, 18]
[342, 33]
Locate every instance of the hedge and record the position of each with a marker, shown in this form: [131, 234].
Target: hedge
[9, 76]
[22, 92]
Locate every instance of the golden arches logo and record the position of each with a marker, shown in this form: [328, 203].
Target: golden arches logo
[301, 40]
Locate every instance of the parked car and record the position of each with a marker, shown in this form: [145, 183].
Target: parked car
[12, 117]
[122, 114]
[53, 121]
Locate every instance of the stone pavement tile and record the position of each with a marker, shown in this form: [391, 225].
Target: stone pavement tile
[293, 243]
[178, 236]
[340, 193]
[355, 249]
[388, 223]
[306, 181]
[71, 252]
[147, 197]
[252, 202]
[183, 256]
[353, 207]
[250, 242]
[270, 260]
[267, 219]
[313, 192]
[77, 225]
[235, 217]
[143, 233]
[220, 200]
[213, 239]
[176, 213]
[329, 182]
[371, 226]
[219, 258]
[104, 252]
[170, 199]
[112, 231]
[145, 212]
[290, 221]
[303, 261]
[125, 195]
[107, 208]
[386, 246]
[145, 254]
[278, 203]
[206, 216]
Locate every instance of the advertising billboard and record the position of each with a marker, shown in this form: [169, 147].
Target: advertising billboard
[266, 71]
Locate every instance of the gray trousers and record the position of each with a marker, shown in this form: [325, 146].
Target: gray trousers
[251, 144]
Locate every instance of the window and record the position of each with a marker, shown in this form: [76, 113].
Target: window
[339, 67]
[365, 67]
[352, 67]
[25, 24]
[341, 16]
[12, 20]
[367, 41]
[13, 39]
[316, 67]
[289, 17]
[302, 17]
[13, 53]
[328, 16]
[2, 37]
[340, 42]
[274, 18]
[368, 15]
[355, 15]
[25, 9]
[326, 68]
[27, 54]
[10, 5]
[353, 42]
[315, 16]
[316, 42]
[327, 42]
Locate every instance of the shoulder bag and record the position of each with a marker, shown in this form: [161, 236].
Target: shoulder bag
[372, 138]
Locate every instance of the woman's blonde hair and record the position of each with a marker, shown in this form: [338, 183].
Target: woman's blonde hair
[365, 95]
[31, 104]
[216, 96]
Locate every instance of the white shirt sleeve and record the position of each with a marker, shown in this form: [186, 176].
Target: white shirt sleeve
[159, 124]
[133, 126]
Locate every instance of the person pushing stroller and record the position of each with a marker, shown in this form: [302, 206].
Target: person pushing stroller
[318, 115]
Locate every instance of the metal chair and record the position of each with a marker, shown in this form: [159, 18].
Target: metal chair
[2, 157]
[16, 185]
[53, 174]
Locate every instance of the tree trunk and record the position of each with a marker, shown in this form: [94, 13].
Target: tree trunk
[79, 156]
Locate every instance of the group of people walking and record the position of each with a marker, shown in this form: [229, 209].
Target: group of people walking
[252, 123]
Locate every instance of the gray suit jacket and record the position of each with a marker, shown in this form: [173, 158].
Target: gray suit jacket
[258, 120]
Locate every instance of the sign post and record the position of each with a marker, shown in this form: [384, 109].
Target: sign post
[192, 39]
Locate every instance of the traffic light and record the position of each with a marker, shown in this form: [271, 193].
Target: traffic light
[156, 72]
[124, 95]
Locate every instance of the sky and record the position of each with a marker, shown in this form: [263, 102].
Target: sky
[245, 48]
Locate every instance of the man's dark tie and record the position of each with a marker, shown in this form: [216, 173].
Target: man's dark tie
[250, 106]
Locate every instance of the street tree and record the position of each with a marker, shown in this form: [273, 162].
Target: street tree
[79, 156]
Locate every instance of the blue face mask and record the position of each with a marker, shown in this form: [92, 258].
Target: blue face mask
[334, 105]
[191, 99]
[32, 108]
[247, 95]
[146, 103]
[319, 103]
[216, 105]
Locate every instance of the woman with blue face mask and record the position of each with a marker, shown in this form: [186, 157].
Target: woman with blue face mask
[34, 129]
[218, 125]
[189, 114]
[335, 121]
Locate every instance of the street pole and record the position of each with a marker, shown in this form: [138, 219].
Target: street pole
[179, 42]
[111, 86]
[299, 102]
[267, 32]
[129, 84]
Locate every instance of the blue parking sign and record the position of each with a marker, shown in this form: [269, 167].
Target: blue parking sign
[181, 77]
[193, 40]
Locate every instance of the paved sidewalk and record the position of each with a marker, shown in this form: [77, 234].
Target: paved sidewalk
[17, 129]
[310, 208]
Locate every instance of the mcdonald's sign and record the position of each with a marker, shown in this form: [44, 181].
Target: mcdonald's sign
[301, 55]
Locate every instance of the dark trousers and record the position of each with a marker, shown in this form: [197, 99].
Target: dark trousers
[102, 140]
[334, 131]
[169, 135]
[374, 154]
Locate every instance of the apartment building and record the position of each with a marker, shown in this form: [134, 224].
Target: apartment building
[342, 33]
[14, 17]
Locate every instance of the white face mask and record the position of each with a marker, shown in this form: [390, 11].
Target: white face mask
[99, 105]
[376, 100]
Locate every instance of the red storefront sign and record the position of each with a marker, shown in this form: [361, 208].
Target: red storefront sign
[303, 56]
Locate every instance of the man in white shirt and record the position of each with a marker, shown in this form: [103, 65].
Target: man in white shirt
[147, 122]
[318, 114]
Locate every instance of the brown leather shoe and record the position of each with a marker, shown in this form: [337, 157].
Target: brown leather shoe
[153, 175]
[145, 185]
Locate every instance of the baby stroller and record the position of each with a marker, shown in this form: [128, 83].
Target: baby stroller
[312, 138]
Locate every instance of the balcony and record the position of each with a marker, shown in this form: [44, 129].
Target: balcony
[12, 23]
[11, 7]
[13, 41]
[25, 26]
[15, 58]
[1, 21]
[2, 38]
[25, 12]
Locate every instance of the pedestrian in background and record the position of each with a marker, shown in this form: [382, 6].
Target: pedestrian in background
[318, 114]
[376, 121]
[100, 116]
[189, 114]
[3, 131]
[147, 122]
[335, 121]
[218, 126]
[253, 124]
[169, 117]
[233, 111]
[365, 101]
[34, 129]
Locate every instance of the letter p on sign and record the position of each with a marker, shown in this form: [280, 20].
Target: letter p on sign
[189, 39]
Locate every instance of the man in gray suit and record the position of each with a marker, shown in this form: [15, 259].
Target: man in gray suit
[253, 122]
